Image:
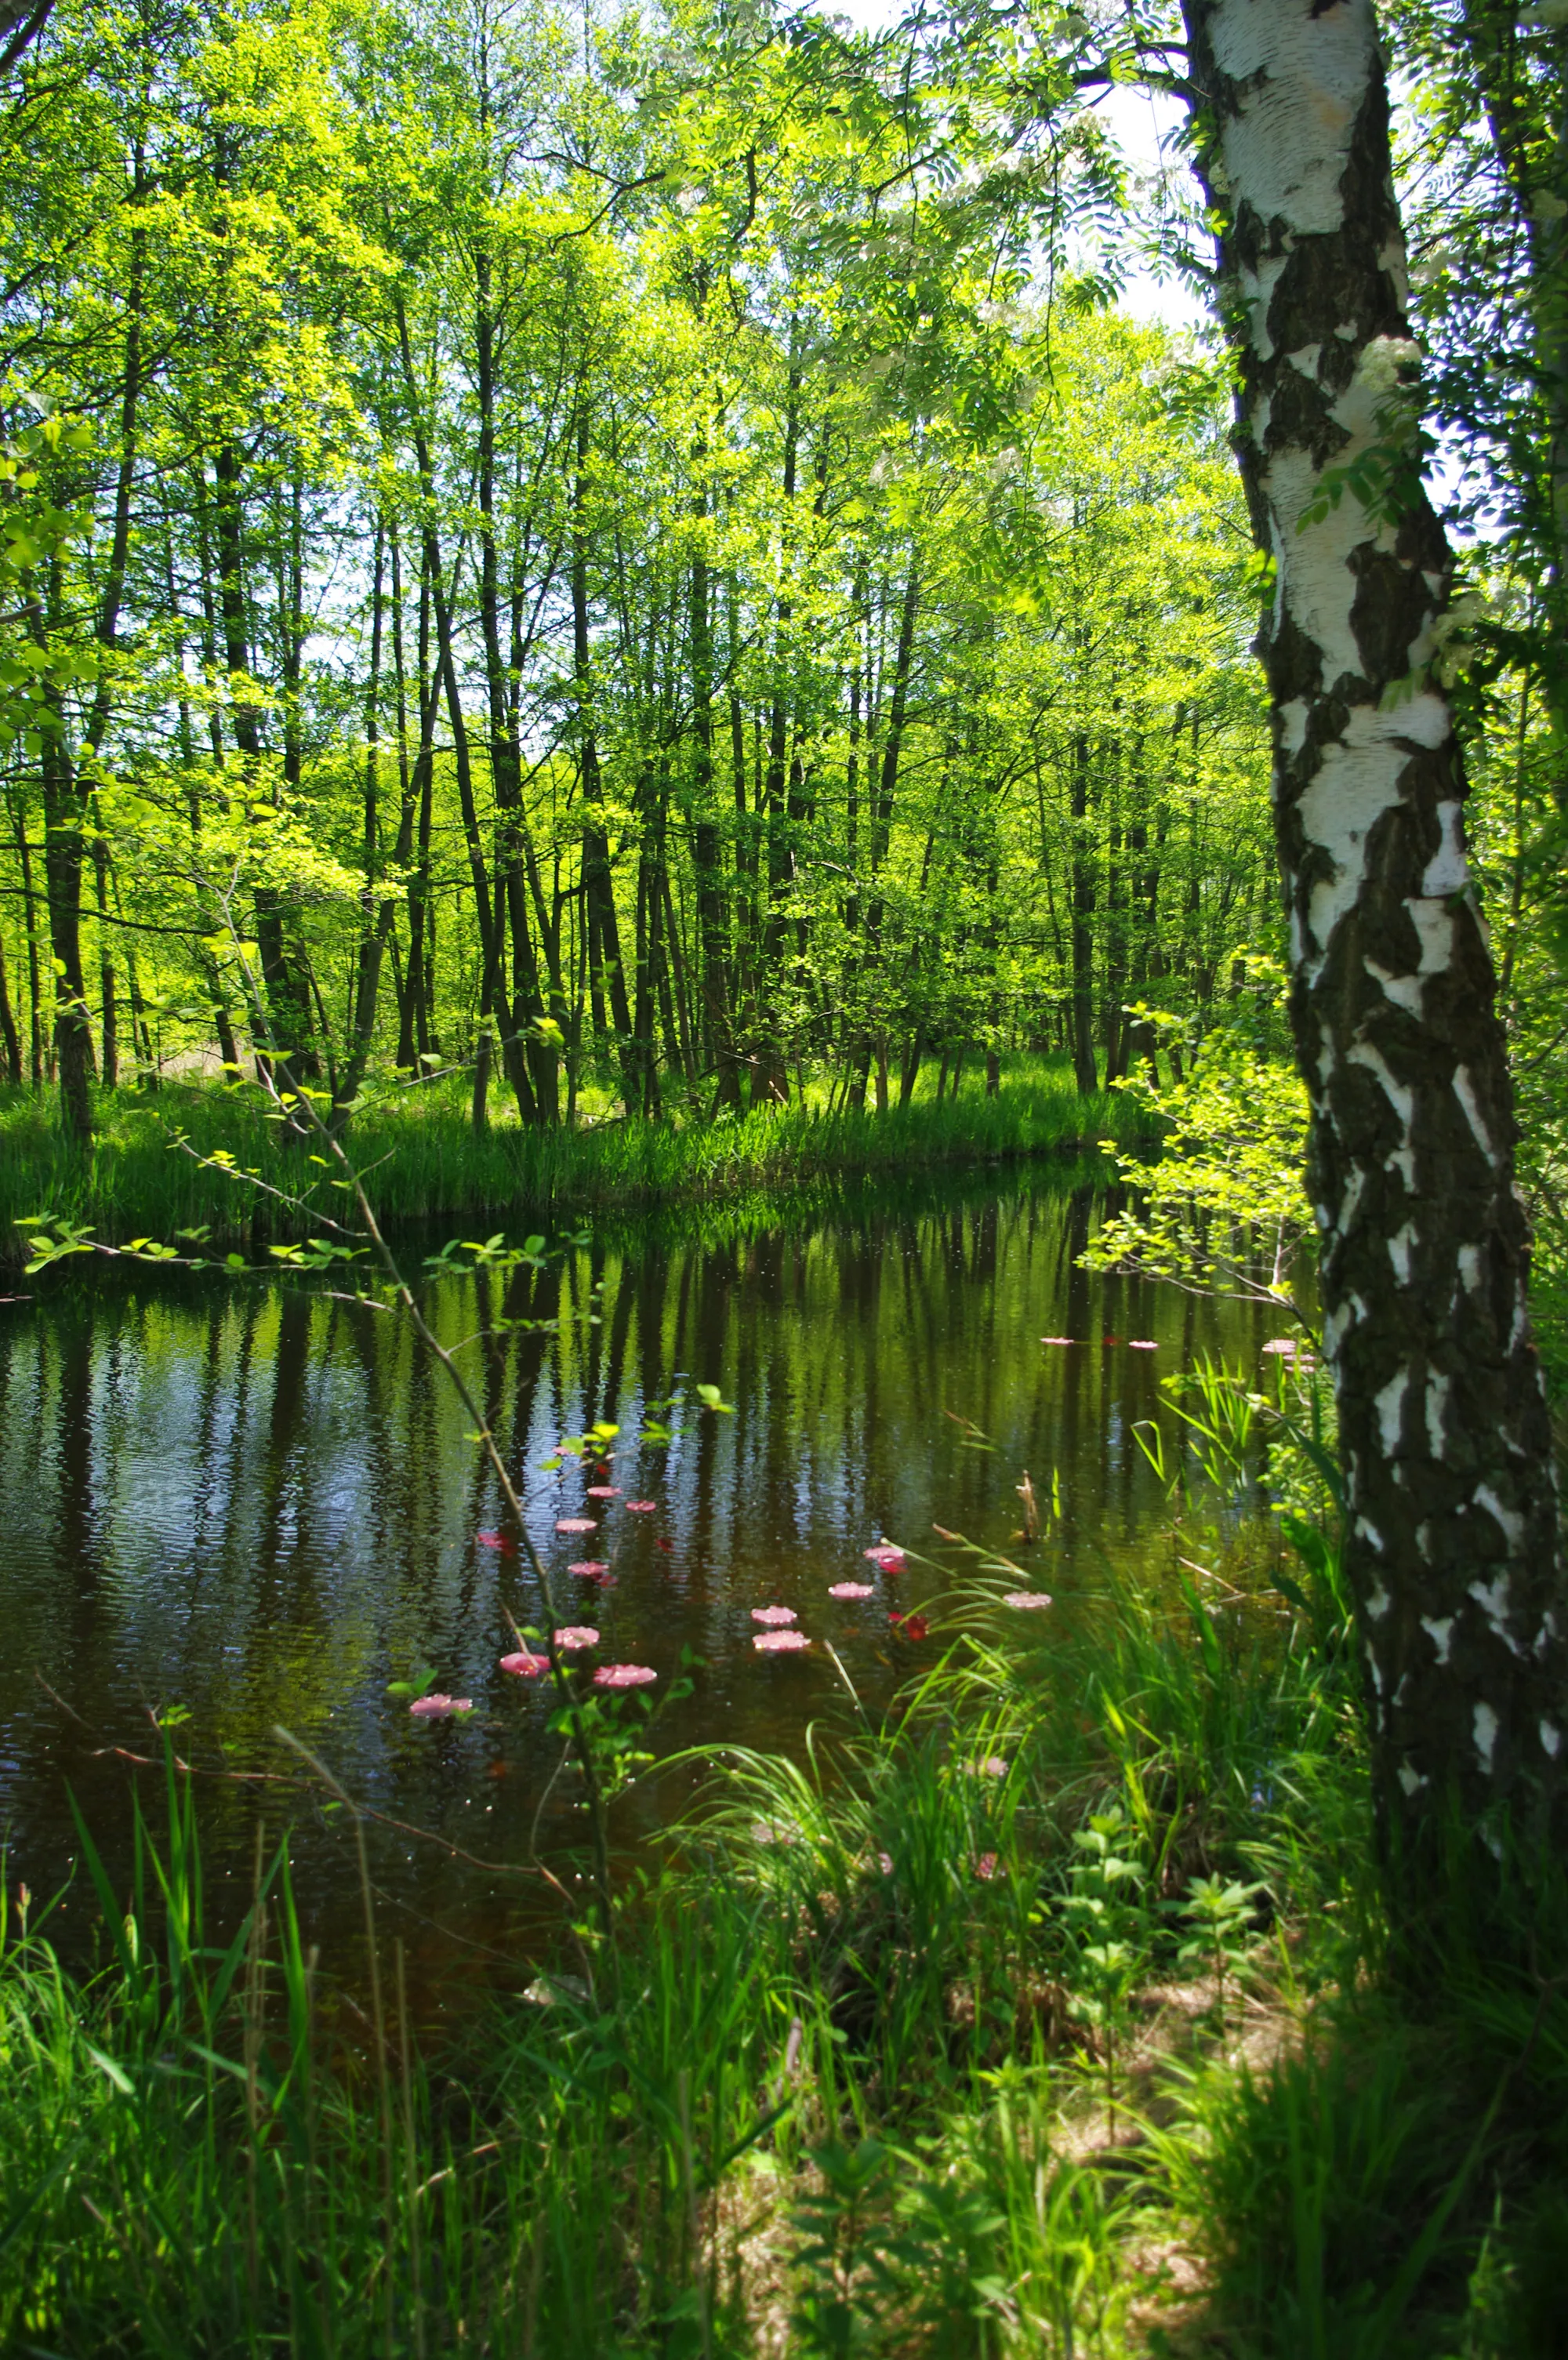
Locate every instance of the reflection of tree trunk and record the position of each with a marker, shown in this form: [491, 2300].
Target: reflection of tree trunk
[78, 1544]
[287, 1460]
[1451, 1544]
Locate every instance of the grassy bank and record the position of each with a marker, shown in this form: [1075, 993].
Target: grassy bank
[138, 1181]
[1052, 2018]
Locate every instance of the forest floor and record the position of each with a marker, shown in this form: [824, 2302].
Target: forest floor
[145, 1174]
[1057, 2016]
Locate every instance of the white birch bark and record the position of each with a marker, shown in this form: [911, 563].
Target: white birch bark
[1452, 1549]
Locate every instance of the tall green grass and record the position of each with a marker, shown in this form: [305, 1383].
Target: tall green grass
[429, 1164]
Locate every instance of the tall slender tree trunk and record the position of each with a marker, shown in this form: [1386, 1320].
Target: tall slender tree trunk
[885, 790]
[376, 910]
[12, 1038]
[490, 916]
[769, 1076]
[649, 950]
[605, 965]
[416, 1034]
[707, 845]
[108, 1008]
[65, 809]
[1112, 1015]
[284, 1016]
[1508, 47]
[207, 921]
[30, 918]
[1085, 1071]
[744, 823]
[522, 1042]
[1452, 1546]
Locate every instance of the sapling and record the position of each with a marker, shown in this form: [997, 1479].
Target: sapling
[1108, 1908]
[1220, 1916]
[843, 2271]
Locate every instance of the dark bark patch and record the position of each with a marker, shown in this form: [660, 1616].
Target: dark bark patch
[1392, 603]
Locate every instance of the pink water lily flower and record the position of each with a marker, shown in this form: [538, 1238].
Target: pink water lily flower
[851, 1589]
[1058, 1340]
[577, 1524]
[780, 1643]
[440, 1708]
[1142, 1344]
[603, 1491]
[624, 1675]
[526, 1666]
[1025, 1598]
[641, 1507]
[890, 1560]
[590, 1567]
[575, 1635]
[992, 1767]
[776, 1614]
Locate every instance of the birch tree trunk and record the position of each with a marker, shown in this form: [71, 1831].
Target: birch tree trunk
[1452, 1551]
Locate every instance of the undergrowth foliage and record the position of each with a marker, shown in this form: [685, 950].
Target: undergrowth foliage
[182, 1167]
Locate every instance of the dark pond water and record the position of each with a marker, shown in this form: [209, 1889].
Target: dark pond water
[258, 1505]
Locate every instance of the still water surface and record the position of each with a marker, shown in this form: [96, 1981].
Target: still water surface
[261, 1507]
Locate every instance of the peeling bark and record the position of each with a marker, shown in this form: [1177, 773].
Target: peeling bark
[1452, 1546]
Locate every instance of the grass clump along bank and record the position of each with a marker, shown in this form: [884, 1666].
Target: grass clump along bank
[1056, 2015]
[146, 1172]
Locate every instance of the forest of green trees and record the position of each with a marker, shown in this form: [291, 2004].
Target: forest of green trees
[635, 555]
[613, 565]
